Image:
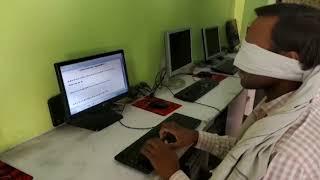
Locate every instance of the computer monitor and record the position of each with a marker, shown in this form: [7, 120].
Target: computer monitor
[211, 42]
[178, 51]
[89, 83]
[232, 34]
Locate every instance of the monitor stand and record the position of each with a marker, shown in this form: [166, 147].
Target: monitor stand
[175, 83]
[96, 120]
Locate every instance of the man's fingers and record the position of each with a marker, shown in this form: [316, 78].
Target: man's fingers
[154, 143]
[167, 129]
[173, 145]
[164, 132]
[170, 125]
[150, 145]
[146, 152]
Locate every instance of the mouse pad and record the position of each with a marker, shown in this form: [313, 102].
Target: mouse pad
[8, 172]
[144, 104]
[218, 77]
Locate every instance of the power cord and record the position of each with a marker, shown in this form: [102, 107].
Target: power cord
[197, 102]
[158, 81]
[189, 74]
[129, 127]
[209, 106]
[169, 90]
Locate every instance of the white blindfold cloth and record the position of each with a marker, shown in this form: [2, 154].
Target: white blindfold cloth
[256, 60]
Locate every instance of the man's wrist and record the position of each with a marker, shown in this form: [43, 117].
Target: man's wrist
[174, 171]
[195, 137]
[179, 175]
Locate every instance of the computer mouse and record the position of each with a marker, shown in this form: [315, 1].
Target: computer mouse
[159, 105]
[169, 138]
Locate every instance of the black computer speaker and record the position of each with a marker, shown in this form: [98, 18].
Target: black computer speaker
[57, 111]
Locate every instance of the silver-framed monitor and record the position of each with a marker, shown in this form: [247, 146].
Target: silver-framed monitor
[211, 42]
[178, 51]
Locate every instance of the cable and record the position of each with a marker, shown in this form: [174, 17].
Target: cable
[158, 81]
[226, 75]
[129, 127]
[194, 78]
[208, 106]
[197, 102]
[233, 76]
[135, 128]
[189, 74]
[169, 90]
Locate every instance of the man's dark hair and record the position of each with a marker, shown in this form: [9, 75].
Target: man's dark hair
[297, 29]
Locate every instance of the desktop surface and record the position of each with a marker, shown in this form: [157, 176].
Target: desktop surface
[73, 153]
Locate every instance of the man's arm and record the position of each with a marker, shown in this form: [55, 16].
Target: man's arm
[156, 149]
[215, 144]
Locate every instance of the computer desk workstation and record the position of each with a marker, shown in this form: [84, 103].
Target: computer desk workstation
[72, 153]
[68, 152]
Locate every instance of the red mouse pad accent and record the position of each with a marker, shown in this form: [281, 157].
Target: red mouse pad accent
[8, 172]
[145, 103]
[218, 77]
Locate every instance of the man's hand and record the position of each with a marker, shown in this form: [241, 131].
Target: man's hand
[163, 159]
[184, 137]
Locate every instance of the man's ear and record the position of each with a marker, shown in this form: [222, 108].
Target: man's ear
[292, 55]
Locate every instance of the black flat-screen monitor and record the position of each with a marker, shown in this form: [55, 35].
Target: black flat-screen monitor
[178, 51]
[91, 82]
[232, 34]
[211, 42]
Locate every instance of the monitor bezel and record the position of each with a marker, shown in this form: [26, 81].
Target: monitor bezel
[58, 66]
[204, 35]
[184, 68]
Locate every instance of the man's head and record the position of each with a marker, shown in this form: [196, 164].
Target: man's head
[290, 30]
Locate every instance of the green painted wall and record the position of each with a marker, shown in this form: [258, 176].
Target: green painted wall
[249, 13]
[238, 12]
[35, 33]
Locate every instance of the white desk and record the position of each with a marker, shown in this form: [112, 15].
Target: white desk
[69, 153]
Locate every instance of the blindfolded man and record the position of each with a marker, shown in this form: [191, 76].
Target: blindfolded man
[280, 139]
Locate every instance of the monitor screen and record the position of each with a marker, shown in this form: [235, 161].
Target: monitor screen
[212, 41]
[93, 81]
[180, 49]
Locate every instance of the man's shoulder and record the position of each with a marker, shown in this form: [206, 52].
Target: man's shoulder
[304, 143]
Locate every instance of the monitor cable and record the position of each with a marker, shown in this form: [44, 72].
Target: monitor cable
[129, 127]
[158, 81]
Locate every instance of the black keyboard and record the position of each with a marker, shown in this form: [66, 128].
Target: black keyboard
[132, 157]
[226, 67]
[196, 90]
